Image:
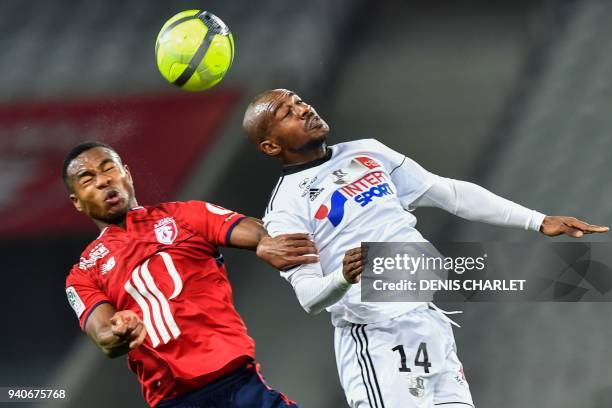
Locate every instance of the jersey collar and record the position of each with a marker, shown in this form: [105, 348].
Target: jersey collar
[314, 163]
[112, 227]
[102, 232]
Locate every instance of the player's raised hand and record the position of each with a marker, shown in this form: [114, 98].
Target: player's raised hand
[288, 250]
[126, 325]
[353, 262]
[557, 225]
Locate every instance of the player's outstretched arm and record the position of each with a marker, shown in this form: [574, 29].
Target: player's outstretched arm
[282, 252]
[475, 203]
[115, 333]
[554, 225]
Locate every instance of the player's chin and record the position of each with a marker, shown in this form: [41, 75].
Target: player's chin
[115, 213]
[319, 134]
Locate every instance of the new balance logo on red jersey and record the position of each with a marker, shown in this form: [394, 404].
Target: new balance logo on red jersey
[156, 313]
[107, 266]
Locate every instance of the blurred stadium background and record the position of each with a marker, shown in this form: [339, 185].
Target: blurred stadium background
[513, 95]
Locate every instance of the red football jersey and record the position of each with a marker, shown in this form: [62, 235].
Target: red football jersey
[165, 266]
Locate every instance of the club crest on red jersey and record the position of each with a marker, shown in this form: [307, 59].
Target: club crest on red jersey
[166, 230]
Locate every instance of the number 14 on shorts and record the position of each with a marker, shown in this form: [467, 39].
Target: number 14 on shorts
[421, 358]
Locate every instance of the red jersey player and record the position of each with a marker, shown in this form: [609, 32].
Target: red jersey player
[154, 285]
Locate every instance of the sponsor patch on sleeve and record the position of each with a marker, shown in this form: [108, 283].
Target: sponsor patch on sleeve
[75, 301]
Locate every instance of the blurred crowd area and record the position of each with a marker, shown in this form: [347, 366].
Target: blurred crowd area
[512, 95]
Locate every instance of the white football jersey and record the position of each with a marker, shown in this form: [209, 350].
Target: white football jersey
[360, 191]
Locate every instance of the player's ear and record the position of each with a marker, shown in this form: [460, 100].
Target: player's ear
[127, 171]
[270, 148]
[76, 202]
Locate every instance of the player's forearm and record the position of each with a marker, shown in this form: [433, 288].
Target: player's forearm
[247, 234]
[315, 293]
[475, 203]
[99, 329]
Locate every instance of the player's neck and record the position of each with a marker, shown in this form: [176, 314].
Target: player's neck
[298, 158]
[103, 224]
[119, 222]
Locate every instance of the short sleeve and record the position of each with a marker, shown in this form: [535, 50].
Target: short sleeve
[410, 178]
[83, 294]
[281, 221]
[215, 223]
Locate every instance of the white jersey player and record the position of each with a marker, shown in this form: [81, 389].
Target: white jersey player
[388, 354]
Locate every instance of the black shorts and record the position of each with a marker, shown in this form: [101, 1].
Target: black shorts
[244, 388]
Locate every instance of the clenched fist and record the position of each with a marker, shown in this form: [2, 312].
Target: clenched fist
[126, 325]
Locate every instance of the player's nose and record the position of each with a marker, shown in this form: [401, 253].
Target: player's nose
[103, 180]
[306, 110]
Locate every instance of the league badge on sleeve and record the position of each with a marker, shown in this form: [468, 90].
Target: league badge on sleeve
[75, 301]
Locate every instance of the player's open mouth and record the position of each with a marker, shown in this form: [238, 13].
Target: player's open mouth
[112, 197]
[314, 122]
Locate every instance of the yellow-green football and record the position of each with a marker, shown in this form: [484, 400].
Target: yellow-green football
[194, 50]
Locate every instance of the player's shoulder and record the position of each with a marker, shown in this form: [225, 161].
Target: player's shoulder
[181, 210]
[168, 207]
[190, 207]
[93, 252]
[369, 149]
[283, 193]
[181, 205]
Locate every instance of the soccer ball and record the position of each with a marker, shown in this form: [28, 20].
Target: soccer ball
[194, 50]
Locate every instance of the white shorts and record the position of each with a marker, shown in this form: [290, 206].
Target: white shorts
[409, 362]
